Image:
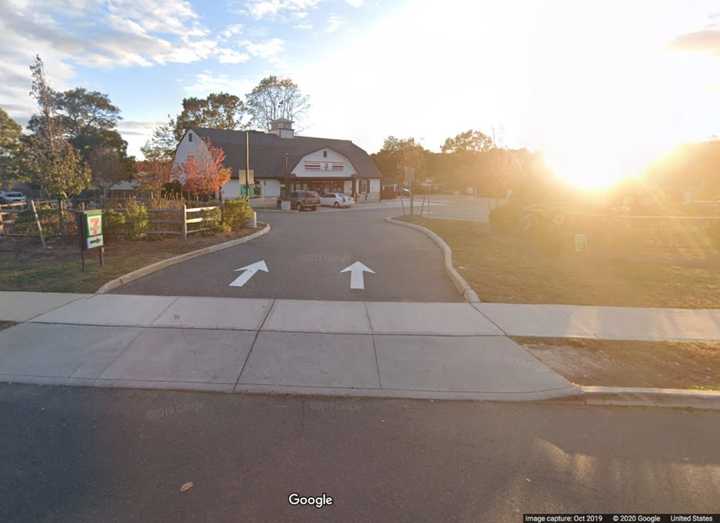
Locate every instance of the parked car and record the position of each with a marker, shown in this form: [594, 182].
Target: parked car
[12, 197]
[304, 200]
[335, 199]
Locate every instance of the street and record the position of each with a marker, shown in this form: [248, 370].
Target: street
[305, 254]
[85, 454]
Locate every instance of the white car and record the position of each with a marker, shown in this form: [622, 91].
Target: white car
[335, 199]
[12, 197]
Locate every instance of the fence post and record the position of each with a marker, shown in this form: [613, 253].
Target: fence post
[37, 222]
[184, 221]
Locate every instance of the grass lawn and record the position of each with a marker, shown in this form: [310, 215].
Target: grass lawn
[504, 268]
[26, 266]
[678, 365]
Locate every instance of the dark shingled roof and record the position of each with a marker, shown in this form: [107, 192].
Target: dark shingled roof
[267, 151]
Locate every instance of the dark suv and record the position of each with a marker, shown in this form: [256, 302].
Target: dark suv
[304, 200]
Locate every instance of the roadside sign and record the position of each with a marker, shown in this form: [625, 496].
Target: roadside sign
[91, 233]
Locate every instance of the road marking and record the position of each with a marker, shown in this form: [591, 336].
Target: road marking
[357, 276]
[250, 271]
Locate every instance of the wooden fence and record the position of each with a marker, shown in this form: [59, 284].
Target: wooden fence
[182, 221]
[8, 214]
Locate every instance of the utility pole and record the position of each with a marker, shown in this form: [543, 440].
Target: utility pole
[247, 164]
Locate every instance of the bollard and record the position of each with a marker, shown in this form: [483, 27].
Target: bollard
[253, 220]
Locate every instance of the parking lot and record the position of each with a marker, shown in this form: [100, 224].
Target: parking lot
[304, 254]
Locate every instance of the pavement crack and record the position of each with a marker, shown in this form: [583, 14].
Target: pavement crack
[372, 339]
[252, 345]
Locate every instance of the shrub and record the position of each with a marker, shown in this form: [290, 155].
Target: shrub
[137, 220]
[114, 223]
[236, 213]
[212, 221]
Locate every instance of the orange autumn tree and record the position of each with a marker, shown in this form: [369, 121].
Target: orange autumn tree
[205, 173]
[153, 174]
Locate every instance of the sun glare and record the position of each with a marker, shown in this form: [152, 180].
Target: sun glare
[607, 107]
[585, 169]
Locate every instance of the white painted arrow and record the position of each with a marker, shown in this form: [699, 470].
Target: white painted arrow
[357, 276]
[250, 271]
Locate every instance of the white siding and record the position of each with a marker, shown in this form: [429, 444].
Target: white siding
[191, 144]
[325, 159]
[375, 185]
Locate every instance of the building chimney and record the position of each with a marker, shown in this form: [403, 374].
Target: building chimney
[282, 127]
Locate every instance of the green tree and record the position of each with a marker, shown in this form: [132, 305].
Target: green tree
[161, 146]
[88, 119]
[63, 173]
[10, 148]
[53, 161]
[84, 112]
[469, 141]
[275, 98]
[398, 153]
[45, 124]
[217, 111]
[106, 155]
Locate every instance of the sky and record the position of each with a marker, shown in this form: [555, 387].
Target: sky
[570, 77]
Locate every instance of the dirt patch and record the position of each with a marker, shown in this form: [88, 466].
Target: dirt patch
[675, 365]
[6, 324]
[26, 266]
[504, 268]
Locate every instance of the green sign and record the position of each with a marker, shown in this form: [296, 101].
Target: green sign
[92, 235]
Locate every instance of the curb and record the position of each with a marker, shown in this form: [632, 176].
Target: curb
[262, 209]
[162, 264]
[461, 285]
[291, 390]
[648, 397]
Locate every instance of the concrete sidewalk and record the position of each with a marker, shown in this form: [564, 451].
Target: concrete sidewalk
[343, 317]
[416, 350]
[387, 349]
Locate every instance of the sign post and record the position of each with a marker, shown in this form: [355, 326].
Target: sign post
[410, 182]
[91, 233]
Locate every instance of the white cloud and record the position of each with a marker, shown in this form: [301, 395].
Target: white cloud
[231, 30]
[110, 34]
[269, 50]
[270, 8]
[231, 56]
[355, 3]
[334, 23]
[136, 133]
[208, 82]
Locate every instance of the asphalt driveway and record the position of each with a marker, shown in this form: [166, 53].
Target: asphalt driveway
[305, 253]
